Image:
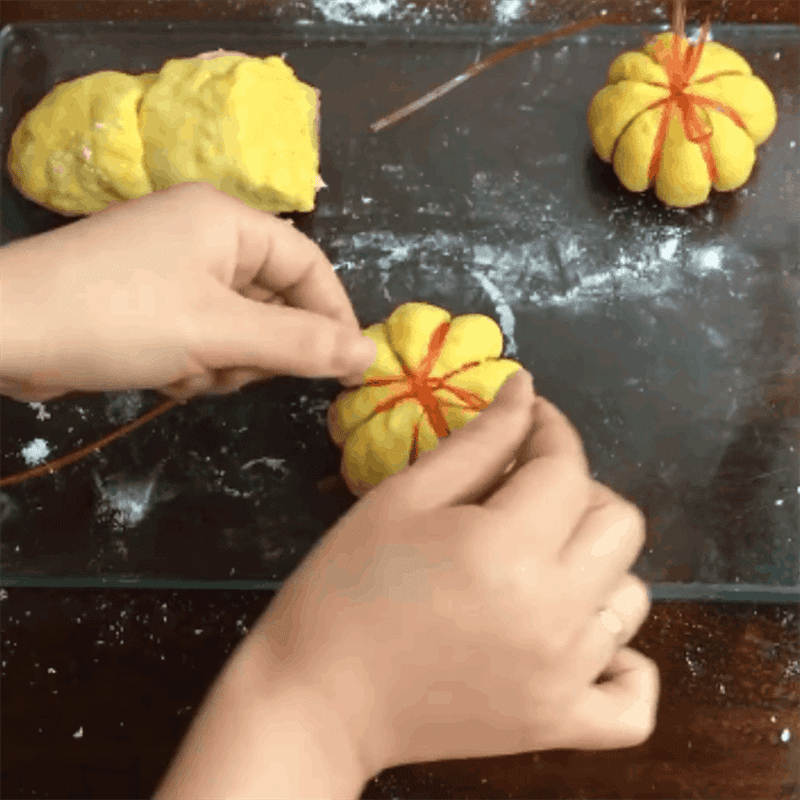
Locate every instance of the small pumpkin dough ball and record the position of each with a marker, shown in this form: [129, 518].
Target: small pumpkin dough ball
[432, 374]
[683, 117]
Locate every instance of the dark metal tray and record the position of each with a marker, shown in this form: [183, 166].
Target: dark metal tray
[669, 337]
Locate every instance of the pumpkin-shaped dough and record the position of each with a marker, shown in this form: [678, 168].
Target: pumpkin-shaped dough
[244, 124]
[432, 374]
[683, 116]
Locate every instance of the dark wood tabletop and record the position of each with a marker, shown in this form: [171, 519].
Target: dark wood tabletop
[99, 685]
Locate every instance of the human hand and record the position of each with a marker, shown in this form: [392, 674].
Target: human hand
[186, 290]
[453, 613]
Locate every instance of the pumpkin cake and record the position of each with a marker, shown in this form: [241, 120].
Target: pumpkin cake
[432, 373]
[682, 116]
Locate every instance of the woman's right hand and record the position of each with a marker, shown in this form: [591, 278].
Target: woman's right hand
[454, 611]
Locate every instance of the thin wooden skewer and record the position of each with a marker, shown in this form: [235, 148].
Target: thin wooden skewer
[77, 455]
[492, 60]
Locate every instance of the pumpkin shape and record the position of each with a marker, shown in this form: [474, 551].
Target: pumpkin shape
[432, 374]
[244, 124]
[683, 116]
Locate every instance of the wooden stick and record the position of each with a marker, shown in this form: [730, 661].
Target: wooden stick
[77, 455]
[490, 61]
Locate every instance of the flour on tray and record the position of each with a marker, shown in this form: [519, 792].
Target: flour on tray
[35, 452]
[127, 503]
[41, 412]
[508, 11]
[356, 12]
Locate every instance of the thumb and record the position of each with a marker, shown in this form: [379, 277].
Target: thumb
[465, 464]
[238, 332]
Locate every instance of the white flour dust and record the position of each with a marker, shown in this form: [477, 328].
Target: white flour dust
[548, 270]
[124, 406]
[35, 452]
[390, 251]
[693, 33]
[508, 11]
[8, 508]
[708, 259]
[277, 464]
[356, 12]
[552, 260]
[504, 312]
[398, 251]
[526, 249]
[126, 503]
[41, 412]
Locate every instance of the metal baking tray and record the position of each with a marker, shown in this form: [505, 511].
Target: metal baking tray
[669, 337]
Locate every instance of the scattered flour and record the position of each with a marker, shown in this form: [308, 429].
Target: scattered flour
[708, 259]
[278, 464]
[693, 33]
[124, 406]
[126, 503]
[508, 11]
[35, 452]
[553, 267]
[8, 508]
[667, 249]
[504, 312]
[41, 412]
[356, 12]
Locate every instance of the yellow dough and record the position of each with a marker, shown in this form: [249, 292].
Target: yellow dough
[246, 125]
[79, 149]
[683, 117]
[432, 374]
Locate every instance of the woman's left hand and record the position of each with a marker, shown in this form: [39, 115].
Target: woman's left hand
[186, 291]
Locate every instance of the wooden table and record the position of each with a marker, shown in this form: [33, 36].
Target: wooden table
[82, 721]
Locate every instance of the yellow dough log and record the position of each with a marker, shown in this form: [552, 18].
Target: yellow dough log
[683, 117]
[244, 124]
[432, 374]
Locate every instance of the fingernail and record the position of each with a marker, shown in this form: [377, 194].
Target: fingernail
[627, 601]
[610, 621]
[512, 383]
[363, 352]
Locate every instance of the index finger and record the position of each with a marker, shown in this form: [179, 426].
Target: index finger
[550, 491]
[273, 255]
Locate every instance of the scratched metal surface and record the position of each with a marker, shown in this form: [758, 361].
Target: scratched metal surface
[669, 337]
